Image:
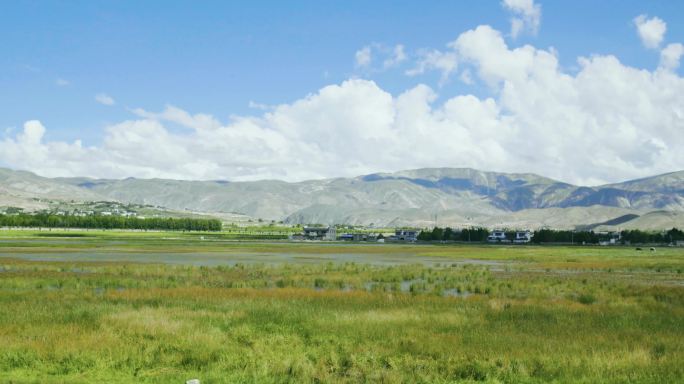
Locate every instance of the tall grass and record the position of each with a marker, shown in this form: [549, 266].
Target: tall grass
[533, 320]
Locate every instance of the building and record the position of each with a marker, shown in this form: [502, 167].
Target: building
[359, 237]
[317, 233]
[354, 237]
[497, 236]
[609, 238]
[409, 235]
[348, 237]
[522, 237]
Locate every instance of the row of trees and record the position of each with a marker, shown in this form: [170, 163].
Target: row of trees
[577, 237]
[109, 222]
[556, 236]
[633, 236]
[449, 234]
[637, 236]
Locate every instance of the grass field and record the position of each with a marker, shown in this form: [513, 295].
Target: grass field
[167, 307]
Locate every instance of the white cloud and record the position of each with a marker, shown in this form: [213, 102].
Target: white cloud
[670, 56]
[445, 62]
[61, 82]
[604, 122]
[394, 56]
[526, 16]
[466, 77]
[651, 31]
[32, 134]
[363, 57]
[104, 99]
[398, 56]
[200, 121]
[260, 106]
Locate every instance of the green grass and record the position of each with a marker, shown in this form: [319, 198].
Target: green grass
[540, 314]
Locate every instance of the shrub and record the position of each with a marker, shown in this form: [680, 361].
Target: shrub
[586, 298]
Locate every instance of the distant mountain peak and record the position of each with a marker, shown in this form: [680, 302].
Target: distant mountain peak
[419, 197]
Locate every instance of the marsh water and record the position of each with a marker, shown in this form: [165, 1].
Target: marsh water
[110, 251]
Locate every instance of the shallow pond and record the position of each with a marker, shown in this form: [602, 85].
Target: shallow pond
[232, 258]
[203, 254]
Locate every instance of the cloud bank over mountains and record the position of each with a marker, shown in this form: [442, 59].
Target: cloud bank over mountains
[603, 121]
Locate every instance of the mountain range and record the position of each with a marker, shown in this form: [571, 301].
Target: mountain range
[457, 197]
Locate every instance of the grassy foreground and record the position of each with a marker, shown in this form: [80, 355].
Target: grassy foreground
[538, 314]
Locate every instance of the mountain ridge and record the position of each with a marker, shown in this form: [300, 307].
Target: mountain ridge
[418, 197]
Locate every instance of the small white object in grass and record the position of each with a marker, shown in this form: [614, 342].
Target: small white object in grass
[193, 381]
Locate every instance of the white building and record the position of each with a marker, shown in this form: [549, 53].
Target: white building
[522, 237]
[317, 233]
[497, 236]
[410, 235]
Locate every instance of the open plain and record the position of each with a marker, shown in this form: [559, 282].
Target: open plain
[167, 307]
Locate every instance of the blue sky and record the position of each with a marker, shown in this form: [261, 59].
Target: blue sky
[218, 57]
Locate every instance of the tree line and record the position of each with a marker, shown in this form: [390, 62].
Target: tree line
[555, 236]
[448, 234]
[633, 236]
[109, 222]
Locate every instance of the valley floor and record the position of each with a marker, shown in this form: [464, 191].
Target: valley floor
[167, 308]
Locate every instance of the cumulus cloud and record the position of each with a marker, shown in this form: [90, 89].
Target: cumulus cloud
[604, 122]
[398, 56]
[104, 99]
[200, 121]
[62, 82]
[444, 62]
[393, 56]
[466, 77]
[363, 57]
[260, 106]
[651, 31]
[670, 56]
[526, 16]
